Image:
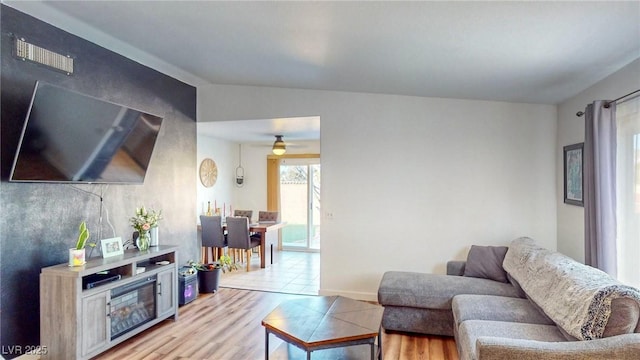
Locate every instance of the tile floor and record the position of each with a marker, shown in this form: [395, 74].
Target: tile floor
[292, 272]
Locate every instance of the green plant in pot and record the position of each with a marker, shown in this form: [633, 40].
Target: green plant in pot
[209, 274]
[77, 254]
[224, 263]
[227, 264]
[204, 267]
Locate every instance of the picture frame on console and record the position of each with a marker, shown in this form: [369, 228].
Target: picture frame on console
[573, 156]
[111, 247]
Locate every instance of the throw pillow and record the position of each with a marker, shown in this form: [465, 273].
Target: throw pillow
[486, 262]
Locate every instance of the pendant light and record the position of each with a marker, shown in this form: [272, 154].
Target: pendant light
[279, 147]
[239, 169]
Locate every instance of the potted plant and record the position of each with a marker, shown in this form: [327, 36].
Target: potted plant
[227, 264]
[209, 274]
[77, 254]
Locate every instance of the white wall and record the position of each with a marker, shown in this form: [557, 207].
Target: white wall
[571, 131]
[253, 195]
[408, 182]
[225, 154]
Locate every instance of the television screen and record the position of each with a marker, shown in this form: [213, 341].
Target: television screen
[71, 137]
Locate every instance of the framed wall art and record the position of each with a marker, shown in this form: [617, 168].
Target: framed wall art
[573, 174]
[111, 247]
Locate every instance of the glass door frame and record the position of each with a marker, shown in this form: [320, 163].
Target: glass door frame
[309, 167]
[273, 188]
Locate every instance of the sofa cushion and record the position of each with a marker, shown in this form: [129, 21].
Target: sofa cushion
[455, 267]
[434, 291]
[624, 317]
[486, 262]
[576, 297]
[622, 347]
[496, 308]
[470, 330]
[415, 320]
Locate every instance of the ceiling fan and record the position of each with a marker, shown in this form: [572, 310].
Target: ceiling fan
[279, 146]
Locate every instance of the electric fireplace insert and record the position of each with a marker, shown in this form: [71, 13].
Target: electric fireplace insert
[132, 305]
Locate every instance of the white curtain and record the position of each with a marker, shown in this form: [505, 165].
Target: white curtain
[599, 174]
[628, 191]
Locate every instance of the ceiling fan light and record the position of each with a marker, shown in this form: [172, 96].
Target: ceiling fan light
[279, 147]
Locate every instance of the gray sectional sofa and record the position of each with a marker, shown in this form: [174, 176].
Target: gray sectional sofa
[522, 302]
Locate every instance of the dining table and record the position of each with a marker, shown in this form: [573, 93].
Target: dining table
[262, 228]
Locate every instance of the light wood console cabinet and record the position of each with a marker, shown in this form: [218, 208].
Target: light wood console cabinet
[80, 318]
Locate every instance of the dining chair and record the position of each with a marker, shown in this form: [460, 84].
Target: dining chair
[268, 216]
[238, 236]
[246, 213]
[212, 237]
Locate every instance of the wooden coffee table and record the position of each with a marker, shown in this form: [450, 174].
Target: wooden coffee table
[327, 323]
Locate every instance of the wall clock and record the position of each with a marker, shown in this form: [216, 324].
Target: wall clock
[208, 172]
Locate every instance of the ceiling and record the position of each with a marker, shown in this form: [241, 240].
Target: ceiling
[541, 52]
[261, 130]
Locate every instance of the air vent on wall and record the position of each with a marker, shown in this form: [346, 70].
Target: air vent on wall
[27, 51]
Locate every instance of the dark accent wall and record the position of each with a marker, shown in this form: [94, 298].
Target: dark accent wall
[38, 222]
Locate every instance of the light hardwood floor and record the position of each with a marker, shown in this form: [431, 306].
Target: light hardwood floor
[227, 326]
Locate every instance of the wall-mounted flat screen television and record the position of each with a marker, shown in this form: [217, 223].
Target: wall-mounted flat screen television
[72, 137]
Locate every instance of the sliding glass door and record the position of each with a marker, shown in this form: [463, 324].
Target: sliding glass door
[300, 203]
